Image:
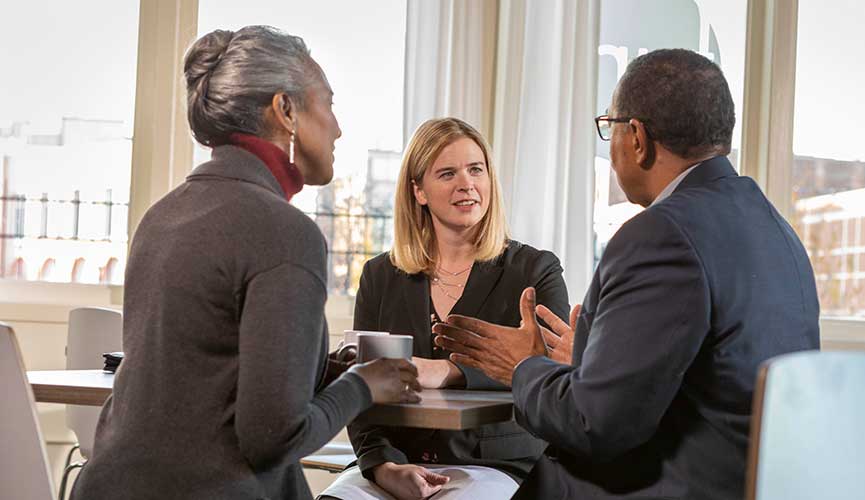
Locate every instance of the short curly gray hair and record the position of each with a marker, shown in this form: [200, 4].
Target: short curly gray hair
[232, 76]
[683, 99]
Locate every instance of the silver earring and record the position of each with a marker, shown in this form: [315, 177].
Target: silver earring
[291, 148]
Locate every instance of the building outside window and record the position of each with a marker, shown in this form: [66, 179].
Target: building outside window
[66, 116]
[828, 171]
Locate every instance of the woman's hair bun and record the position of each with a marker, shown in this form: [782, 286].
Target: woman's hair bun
[204, 56]
[232, 76]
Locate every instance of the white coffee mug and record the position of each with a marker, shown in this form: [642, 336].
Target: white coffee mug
[375, 346]
[351, 336]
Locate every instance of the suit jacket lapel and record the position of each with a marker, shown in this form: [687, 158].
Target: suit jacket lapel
[416, 292]
[482, 280]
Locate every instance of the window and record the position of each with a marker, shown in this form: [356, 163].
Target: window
[66, 117]
[630, 28]
[361, 47]
[828, 171]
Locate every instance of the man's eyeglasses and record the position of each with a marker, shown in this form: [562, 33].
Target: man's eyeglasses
[605, 124]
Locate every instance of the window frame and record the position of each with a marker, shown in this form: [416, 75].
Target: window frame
[162, 147]
[767, 132]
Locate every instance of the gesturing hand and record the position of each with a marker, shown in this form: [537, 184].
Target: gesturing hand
[496, 350]
[560, 345]
[390, 380]
[408, 482]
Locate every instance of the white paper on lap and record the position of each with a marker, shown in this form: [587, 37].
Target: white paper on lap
[467, 482]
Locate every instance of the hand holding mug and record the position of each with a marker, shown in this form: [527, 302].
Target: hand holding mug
[345, 353]
[339, 361]
[390, 380]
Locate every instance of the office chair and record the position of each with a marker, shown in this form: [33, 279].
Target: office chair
[807, 435]
[92, 331]
[24, 471]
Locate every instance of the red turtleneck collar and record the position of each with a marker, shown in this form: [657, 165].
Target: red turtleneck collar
[287, 174]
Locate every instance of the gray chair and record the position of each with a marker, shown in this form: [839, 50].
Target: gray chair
[808, 428]
[92, 331]
[24, 472]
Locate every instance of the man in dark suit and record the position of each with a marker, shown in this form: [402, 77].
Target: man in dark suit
[690, 296]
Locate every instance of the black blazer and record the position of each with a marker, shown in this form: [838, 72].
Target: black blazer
[691, 295]
[393, 301]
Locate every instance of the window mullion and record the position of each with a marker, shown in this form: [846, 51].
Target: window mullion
[770, 83]
[162, 148]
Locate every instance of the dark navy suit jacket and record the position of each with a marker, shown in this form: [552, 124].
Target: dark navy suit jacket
[690, 296]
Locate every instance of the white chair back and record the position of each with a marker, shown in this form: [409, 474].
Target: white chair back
[24, 472]
[807, 438]
[92, 331]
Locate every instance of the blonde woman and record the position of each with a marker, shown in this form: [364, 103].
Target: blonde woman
[451, 254]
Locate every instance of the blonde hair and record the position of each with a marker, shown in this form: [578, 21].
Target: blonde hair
[414, 246]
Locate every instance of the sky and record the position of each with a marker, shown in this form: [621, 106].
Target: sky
[59, 59]
[830, 77]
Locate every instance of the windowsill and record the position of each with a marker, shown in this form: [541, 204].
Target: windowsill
[42, 292]
[28, 300]
[842, 333]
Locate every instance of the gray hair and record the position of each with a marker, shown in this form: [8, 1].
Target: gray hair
[231, 77]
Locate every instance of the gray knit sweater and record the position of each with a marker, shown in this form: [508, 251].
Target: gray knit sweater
[225, 339]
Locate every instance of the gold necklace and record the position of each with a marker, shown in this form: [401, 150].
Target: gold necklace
[440, 282]
[452, 274]
[444, 290]
[436, 279]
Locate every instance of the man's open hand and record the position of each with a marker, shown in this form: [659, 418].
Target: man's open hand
[496, 350]
[560, 341]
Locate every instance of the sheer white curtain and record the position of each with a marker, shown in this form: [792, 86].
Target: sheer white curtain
[535, 104]
[450, 52]
[544, 133]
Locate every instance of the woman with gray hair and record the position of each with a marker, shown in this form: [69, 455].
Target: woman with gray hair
[225, 384]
